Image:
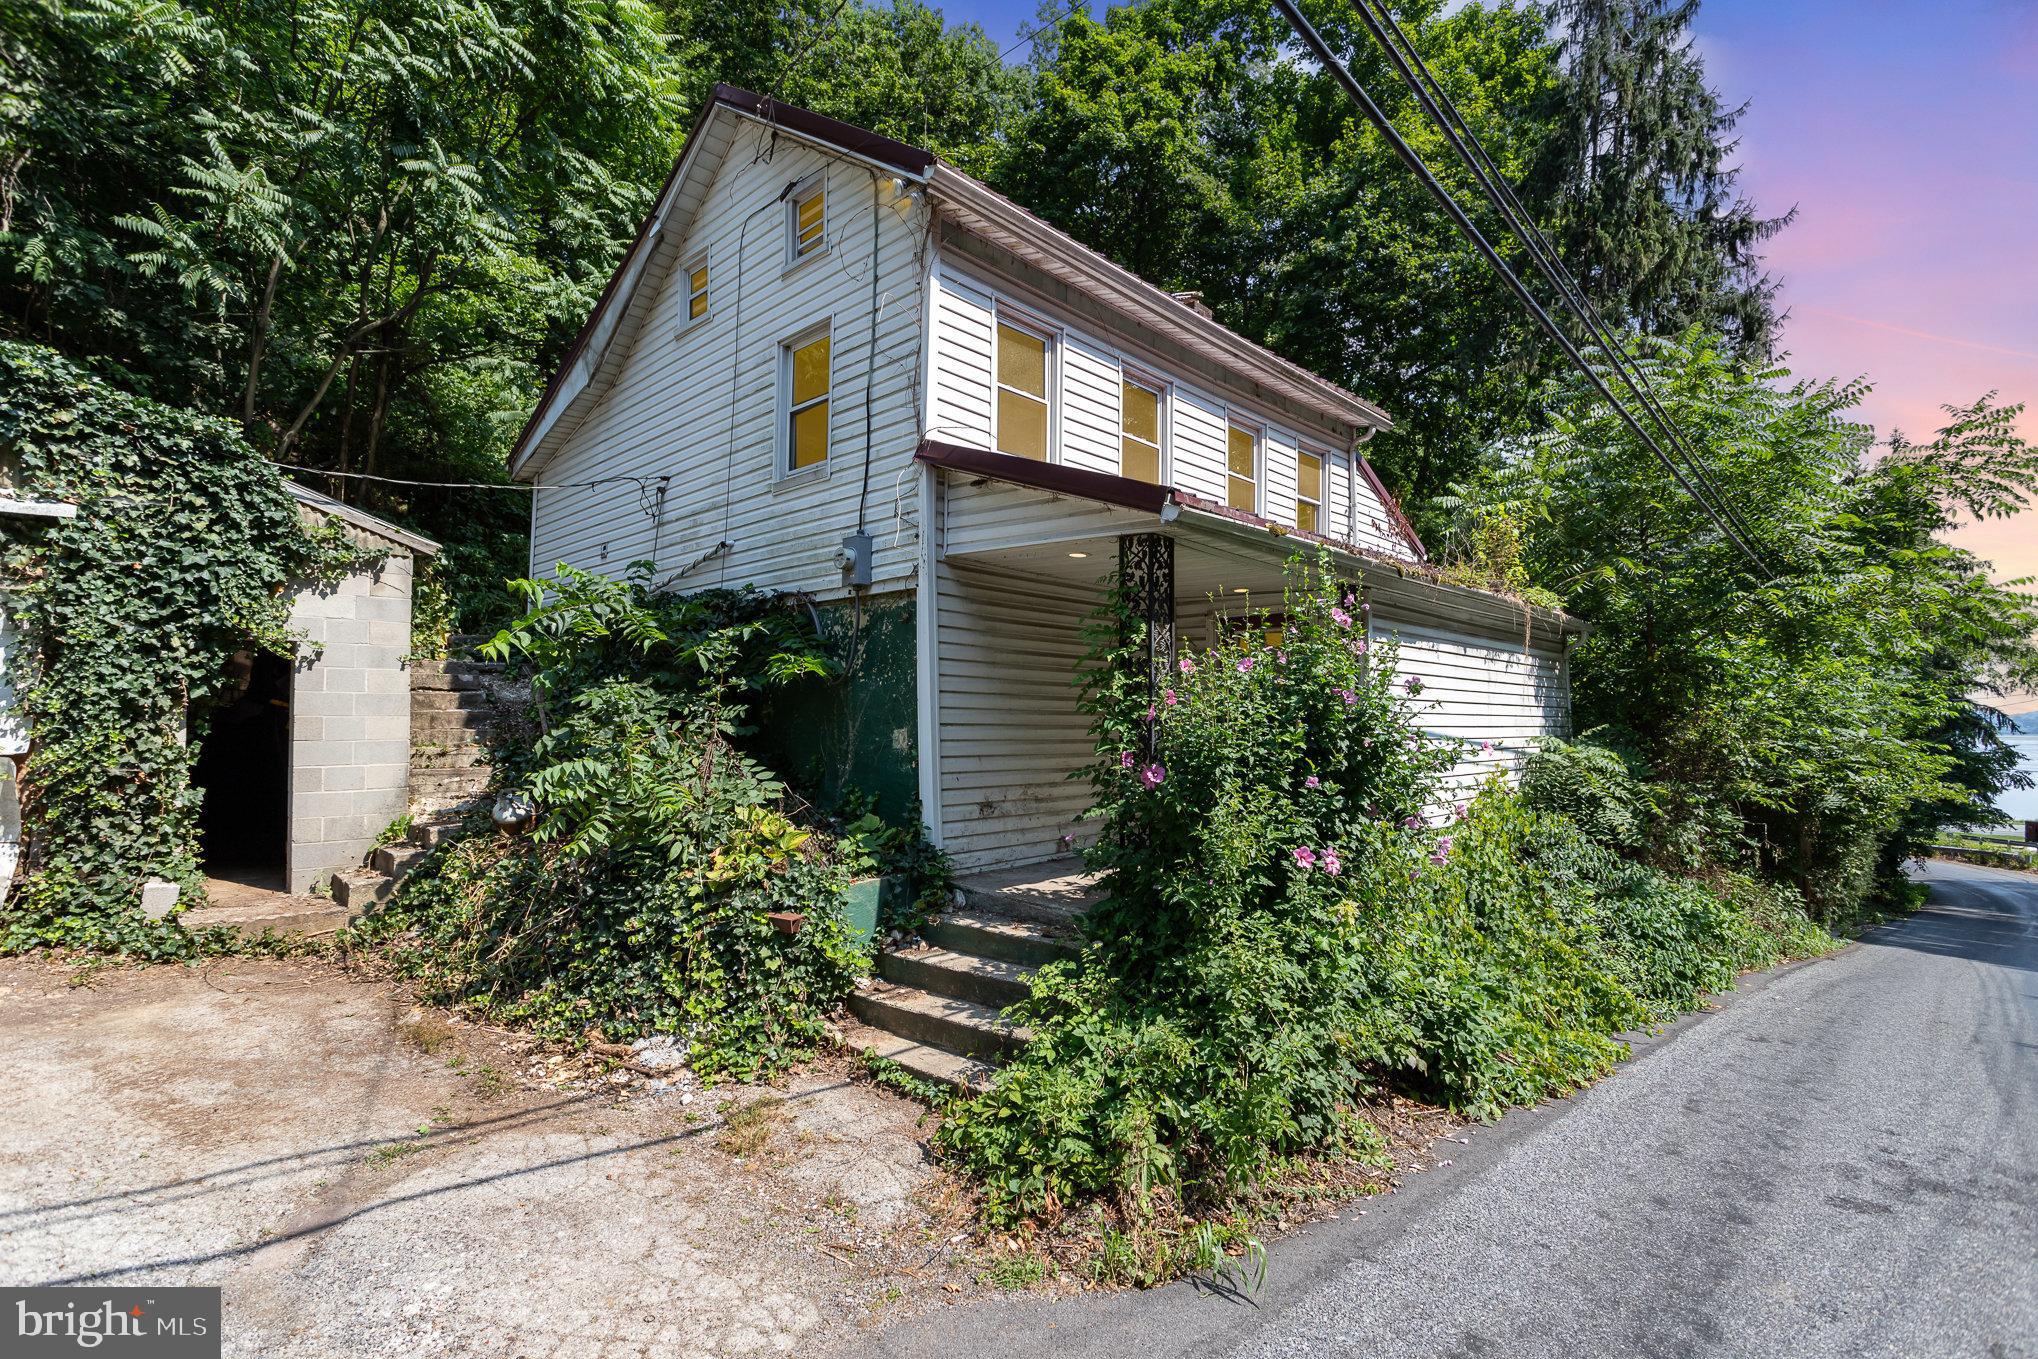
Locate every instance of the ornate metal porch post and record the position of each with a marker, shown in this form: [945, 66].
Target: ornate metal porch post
[1146, 566]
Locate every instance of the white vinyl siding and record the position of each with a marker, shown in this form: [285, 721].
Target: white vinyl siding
[699, 403]
[1480, 689]
[1009, 726]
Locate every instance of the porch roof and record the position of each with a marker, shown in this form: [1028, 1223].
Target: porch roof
[1063, 523]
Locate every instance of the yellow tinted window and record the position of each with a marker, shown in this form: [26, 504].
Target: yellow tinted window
[810, 435]
[1141, 413]
[1022, 425]
[1022, 361]
[808, 215]
[1140, 461]
[1309, 476]
[698, 280]
[1240, 454]
[1305, 516]
[810, 370]
[698, 306]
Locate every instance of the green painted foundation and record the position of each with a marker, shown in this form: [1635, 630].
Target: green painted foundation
[858, 730]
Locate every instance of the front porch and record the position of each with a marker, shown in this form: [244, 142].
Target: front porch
[1020, 559]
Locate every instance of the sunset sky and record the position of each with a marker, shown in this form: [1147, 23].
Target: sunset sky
[1906, 135]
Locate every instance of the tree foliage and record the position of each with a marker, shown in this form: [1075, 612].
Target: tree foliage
[1820, 722]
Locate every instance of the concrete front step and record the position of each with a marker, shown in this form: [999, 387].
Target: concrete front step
[467, 675]
[394, 861]
[357, 890]
[1056, 893]
[448, 728]
[1025, 942]
[962, 976]
[964, 1075]
[431, 833]
[447, 700]
[255, 921]
[962, 1027]
[449, 755]
[447, 782]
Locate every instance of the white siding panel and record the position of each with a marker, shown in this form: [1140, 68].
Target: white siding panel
[1481, 690]
[1196, 426]
[962, 363]
[1089, 410]
[693, 411]
[1376, 530]
[1010, 727]
[992, 515]
[1278, 473]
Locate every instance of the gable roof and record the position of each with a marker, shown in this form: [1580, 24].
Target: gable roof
[597, 352]
[320, 503]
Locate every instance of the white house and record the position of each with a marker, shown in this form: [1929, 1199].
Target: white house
[833, 363]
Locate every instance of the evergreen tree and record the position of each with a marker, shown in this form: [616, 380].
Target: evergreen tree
[1639, 192]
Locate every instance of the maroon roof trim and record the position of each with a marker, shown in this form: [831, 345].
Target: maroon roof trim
[862, 141]
[1393, 505]
[1125, 492]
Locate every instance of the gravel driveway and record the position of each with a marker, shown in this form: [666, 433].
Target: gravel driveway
[361, 1184]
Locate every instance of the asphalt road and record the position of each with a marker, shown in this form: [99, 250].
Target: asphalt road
[1842, 1160]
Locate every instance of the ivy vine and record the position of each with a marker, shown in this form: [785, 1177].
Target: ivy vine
[185, 548]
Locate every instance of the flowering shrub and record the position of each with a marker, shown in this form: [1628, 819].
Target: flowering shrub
[1282, 929]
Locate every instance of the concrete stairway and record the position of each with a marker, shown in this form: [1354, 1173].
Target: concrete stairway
[453, 712]
[935, 1006]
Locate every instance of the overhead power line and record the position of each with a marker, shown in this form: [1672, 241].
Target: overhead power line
[1314, 41]
[1443, 111]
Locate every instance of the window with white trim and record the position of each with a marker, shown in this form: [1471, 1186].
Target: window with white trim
[1022, 385]
[805, 381]
[1309, 491]
[1139, 431]
[697, 288]
[1242, 468]
[807, 220]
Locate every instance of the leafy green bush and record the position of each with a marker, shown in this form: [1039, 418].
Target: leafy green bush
[178, 557]
[641, 901]
[1595, 786]
[1281, 931]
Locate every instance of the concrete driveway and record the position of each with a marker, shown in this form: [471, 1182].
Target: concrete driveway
[1842, 1161]
[361, 1183]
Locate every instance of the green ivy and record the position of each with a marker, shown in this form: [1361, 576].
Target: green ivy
[184, 550]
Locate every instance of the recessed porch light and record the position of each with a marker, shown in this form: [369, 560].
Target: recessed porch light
[1079, 554]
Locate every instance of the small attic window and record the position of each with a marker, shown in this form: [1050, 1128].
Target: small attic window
[807, 220]
[697, 288]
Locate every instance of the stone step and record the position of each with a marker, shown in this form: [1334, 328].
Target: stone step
[443, 783]
[447, 700]
[461, 675]
[447, 728]
[443, 804]
[961, 976]
[962, 1027]
[464, 755]
[358, 889]
[964, 1075]
[395, 861]
[255, 921]
[1026, 942]
[431, 833]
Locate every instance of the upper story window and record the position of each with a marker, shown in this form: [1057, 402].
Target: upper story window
[1139, 432]
[1242, 467]
[697, 289]
[1022, 393]
[806, 383]
[807, 220]
[1309, 491]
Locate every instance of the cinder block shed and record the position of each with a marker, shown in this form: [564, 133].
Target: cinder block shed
[310, 758]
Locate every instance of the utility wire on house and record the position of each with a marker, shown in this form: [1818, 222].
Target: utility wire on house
[1443, 111]
[1314, 41]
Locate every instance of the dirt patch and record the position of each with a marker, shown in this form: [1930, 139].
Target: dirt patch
[363, 1178]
